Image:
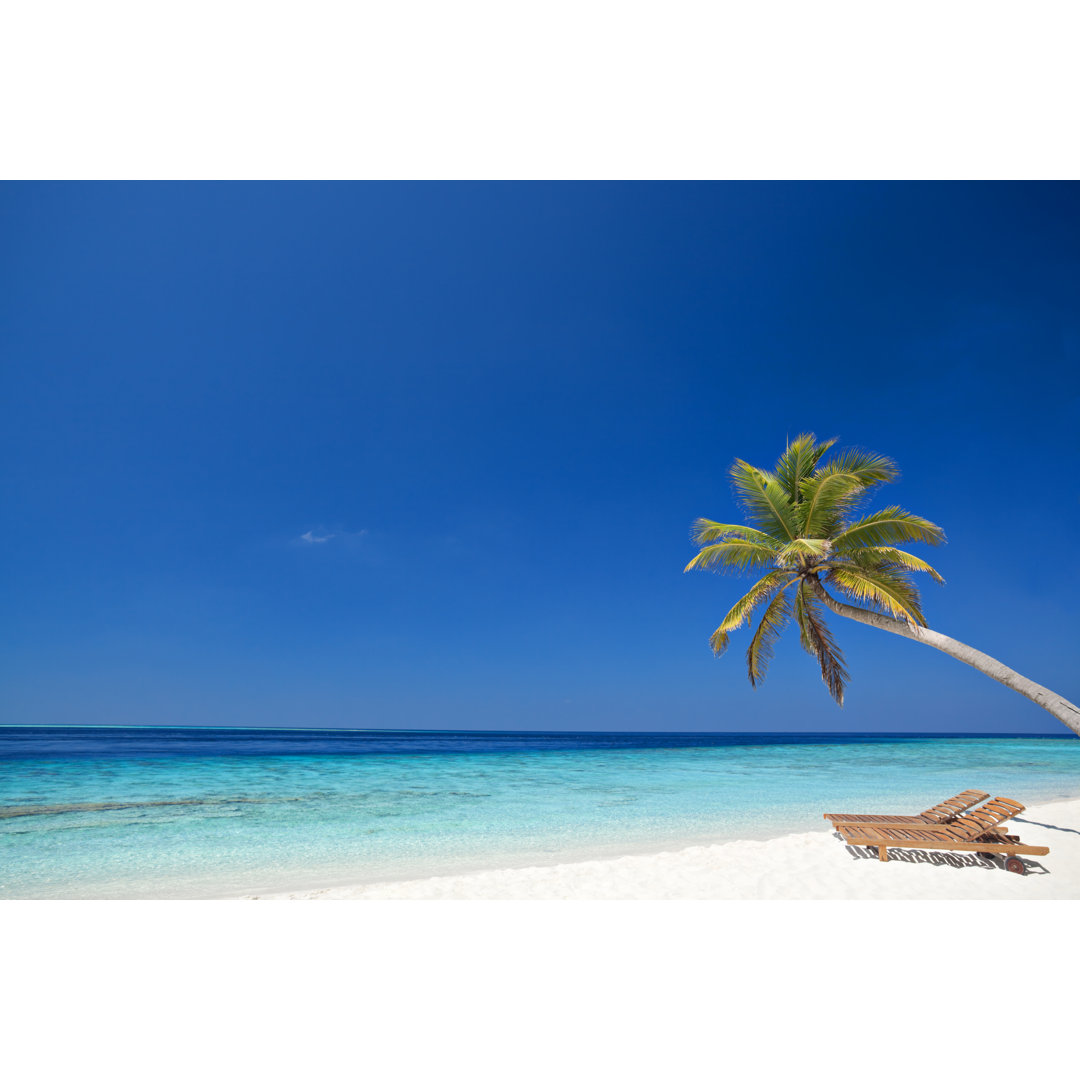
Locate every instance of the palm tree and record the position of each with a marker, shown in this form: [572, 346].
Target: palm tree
[805, 535]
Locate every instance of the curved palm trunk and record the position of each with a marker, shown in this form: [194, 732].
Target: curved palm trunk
[1053, 703]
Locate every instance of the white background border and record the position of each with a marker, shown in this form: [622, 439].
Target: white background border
[565, 89]
[537, 989]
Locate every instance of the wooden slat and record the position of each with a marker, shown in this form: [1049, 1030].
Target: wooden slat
[936, 815]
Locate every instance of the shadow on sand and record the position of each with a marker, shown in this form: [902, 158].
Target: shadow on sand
[1043, 825]
[956, 859]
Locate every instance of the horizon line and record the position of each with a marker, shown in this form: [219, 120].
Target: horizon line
[526, 731]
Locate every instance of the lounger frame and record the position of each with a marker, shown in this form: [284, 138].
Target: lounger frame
[885, 837]
[979, 830]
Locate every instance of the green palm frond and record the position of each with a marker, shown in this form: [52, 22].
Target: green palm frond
[799, 550]
[733, 555]
[837, 487]
[869, 469]
[879, 589]
[704, 531]
[806, 528]
[765, 500]
[891, 558]
[802, 596]
[885, 527]
[776, 617]
[798, 461]
[816, 639]
[761, 591]
[825, 500]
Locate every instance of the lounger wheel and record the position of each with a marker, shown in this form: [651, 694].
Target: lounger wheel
[1015, 865]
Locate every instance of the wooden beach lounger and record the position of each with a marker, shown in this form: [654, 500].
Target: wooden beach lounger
[936, 815]
[979, 830]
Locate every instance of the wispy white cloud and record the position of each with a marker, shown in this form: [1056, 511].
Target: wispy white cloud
[316, 536]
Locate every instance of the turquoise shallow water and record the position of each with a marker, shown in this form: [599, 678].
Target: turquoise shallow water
[145, 813]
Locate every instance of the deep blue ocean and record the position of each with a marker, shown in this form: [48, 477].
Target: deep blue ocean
[206, 812]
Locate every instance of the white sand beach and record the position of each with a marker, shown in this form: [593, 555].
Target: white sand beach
[803, 866]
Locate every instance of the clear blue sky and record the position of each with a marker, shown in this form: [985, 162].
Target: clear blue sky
[494, 411]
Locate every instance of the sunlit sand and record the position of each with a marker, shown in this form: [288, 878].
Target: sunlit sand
[803, 866]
